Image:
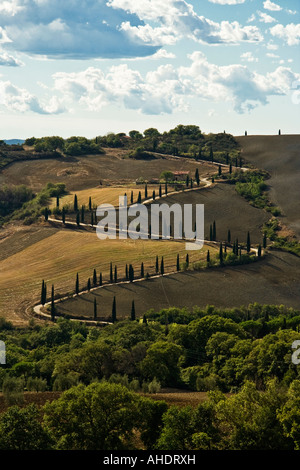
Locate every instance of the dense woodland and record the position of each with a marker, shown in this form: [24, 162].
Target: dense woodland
[244, 351]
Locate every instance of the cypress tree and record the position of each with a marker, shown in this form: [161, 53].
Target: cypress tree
[162, 268]
[211, 154]
[248, 243]
[116, 274]
[166, 188]
[111, 273]
[187, 260]
[197, 177]
[191, 183]
[146, 191]
[89, 284]
[153, 195]
[131, 197]
[214, 233]
[82, 214]
[208, 258]
[46, 213]
[77, 218]
[63, 215]
[229, 237]
[92, 218]
[114, 311]
[227, 158]
[95, 308]
[132, 313]
[259, 251]
[142, 270]
[126, 273]
[52, 304]
[230, 168]
[43, 300]
[145, 320]
[94, 277]
[246, 133]
[187, 181]
[265, 241]
[159, 190]
[139, 199]
[131, 273]
[57, 201]
[100, 279]
[236, 161]
[77, 285]
[75, 203]
[156, 264]
[220, 170]
[178, 263]
[90, 203]
[221, 254]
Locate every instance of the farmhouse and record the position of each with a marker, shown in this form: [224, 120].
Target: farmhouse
[180, 175]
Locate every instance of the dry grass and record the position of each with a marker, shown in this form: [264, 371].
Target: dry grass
[59, 257]
[108, 195]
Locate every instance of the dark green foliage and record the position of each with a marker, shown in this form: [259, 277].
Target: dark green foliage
[116, 274]
[248, 243]
[178, 263]
[95, 309]
[214, 231]
[114, 310]
[89, 284]
[90, 203]
[77, 218]
[75, 205]
[146, 191]
[111, 273]
[43, 293]
[142, 270]
[94, 278]
[197, 178]
[229, 236]
[132, 313]
[82, 214]
[156, 265]
[139, 199]
[131, 273]
[77, 285]
[52, 310]
[100, 279]
[162, 268]
[221, 254]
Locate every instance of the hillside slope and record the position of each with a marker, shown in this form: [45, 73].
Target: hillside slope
[280, 156]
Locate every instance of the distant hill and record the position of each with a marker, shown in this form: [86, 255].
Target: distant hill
[14, 141]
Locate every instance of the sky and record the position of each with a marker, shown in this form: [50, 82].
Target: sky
[90, 67]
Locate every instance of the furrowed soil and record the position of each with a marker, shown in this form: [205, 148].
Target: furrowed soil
[280, 156]
[58, 257]
[275, 281]
[228, 209]
[84, 172]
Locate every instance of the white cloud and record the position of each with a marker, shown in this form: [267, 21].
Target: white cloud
[75, 29]
[177, 19]
[289, 33]
[21, 100]
[268, 5]
[265, 18]
[248, 57]
[166, 89]
[227, 2]
[9, 60]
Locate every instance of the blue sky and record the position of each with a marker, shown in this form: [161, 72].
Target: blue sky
[88, 67]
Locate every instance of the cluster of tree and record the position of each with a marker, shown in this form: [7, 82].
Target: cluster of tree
[56, 145]
[201, 350]
[245, 351]
[20, 203]
[12, 198]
